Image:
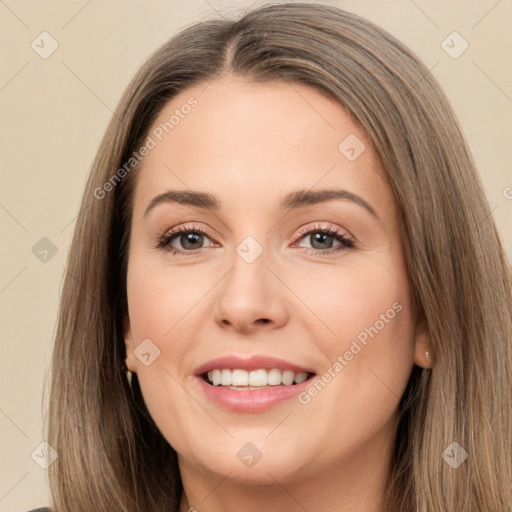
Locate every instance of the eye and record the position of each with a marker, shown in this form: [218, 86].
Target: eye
[323, 239]
[188, 240]
[183, 240]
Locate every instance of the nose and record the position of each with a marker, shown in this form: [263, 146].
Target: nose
[251, 298]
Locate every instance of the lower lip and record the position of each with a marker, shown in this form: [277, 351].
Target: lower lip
[251, 400]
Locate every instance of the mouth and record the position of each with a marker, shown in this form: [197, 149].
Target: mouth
[254, 384]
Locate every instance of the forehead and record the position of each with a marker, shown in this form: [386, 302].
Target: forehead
[240, 140]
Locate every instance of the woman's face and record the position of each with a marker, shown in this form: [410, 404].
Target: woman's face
[290, 267]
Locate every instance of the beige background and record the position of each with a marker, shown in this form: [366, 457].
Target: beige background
[53, 115]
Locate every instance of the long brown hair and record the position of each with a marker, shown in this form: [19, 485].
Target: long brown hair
[112, 457]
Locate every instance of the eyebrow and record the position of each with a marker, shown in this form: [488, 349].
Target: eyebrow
[293, 200]
[302, 198]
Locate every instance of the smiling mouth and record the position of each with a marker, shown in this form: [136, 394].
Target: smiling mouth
[262, 378]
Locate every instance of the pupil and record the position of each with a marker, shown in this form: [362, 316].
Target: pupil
[191, 238]
[322, 238]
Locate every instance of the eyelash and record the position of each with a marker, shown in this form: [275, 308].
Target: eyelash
[165, 239]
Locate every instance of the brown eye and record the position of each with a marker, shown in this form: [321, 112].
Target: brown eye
[190, 240]
[184, 240]
[324, 240]
[321, 240]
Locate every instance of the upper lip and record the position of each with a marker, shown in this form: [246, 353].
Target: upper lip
[250, 363]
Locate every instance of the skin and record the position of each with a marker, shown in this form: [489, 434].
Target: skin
[249, 145]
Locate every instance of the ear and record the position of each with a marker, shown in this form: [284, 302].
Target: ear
[423, 355]
[129, 345]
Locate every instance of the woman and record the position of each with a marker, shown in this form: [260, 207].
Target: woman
[285, 242]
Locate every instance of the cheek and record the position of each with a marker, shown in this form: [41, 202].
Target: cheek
[161, 299]
[368, 340]
[350, 301]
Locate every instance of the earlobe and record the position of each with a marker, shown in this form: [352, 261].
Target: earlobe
[129, 345]
[423, 356]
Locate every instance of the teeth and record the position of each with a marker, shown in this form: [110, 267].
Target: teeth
[225, 377]
[274, 377]
[288, 377]
[239, 378]
[300, 377]
[255, 378]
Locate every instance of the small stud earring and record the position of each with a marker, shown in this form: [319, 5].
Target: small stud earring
[427, 356]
